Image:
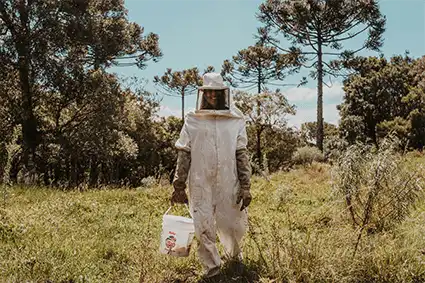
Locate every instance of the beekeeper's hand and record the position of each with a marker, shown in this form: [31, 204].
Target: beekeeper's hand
[179, 197]
[244, 195]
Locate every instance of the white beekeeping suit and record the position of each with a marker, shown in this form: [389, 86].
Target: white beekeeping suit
[212, 155]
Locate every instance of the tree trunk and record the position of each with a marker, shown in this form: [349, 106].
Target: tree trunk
[16, 166]
[258, 147]
[183, 105]
[57, 173]
[372, 133]
[94, 172]
[74, 171]
[106, 174]
[45, 171]
[319, 135]
[258, 128]
[29, 123]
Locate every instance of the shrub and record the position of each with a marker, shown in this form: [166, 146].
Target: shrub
[379, 185]
[333, 148]
[148, 182]
[306, 155]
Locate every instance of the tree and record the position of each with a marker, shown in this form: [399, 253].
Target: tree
[317, 29]
[280, 143]
[181, 83]
[374, 94]
[167, 132]
[257, 67]
[44, 41]
[267, 110]
[416, 104]
[309, 131]
[101, 137]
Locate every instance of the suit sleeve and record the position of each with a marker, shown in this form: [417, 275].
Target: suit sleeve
[242, 159]
[183, 160]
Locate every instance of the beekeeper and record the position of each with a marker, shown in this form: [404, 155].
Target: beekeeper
[212, 155]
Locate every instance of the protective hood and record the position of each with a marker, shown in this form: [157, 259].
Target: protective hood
[222, 103]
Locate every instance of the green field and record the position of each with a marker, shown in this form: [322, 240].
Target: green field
[300, 232]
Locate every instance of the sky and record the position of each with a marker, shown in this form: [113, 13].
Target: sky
[199, 33]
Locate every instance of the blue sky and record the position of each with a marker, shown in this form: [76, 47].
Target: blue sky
[198, 33]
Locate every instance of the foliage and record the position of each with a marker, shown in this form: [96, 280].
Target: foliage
[258, 66]
[309, 131]
[334, 147]
[384, 97]
[307, 155]
[265, 111]
[278, 147]
[333, 143]
[12, 148]
[72, 113]
[83, 126]
[273, 111]
[9, 108]
[317, 30]
[380, 186]
[167, 131]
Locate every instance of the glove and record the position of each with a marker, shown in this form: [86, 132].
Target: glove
[179, 197]
[244, 195]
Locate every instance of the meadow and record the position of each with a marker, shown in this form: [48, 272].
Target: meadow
[300, 231]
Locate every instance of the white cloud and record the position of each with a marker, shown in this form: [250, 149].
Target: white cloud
[165, 111]
[306, 101]
[309, 114]
[308, 95]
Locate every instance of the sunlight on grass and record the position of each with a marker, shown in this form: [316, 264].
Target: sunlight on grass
[299, 232]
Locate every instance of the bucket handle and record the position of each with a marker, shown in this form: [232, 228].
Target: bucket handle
[168, 210]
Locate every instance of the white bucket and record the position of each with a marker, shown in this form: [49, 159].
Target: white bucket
[177, 235]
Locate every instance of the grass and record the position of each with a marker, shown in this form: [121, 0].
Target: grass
[299, 232]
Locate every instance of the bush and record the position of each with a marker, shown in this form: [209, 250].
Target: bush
[379, 185]
[278, 146]
[333, 148]
[148, 182]
[306, 155]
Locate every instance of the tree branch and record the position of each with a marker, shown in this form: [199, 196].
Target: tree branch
[76, 115]
[351, 36]
[6, 19]
[288, 30]
[349, 24]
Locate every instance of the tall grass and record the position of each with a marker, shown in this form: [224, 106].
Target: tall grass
[300, 231]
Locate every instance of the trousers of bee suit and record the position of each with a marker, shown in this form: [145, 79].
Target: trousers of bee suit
[212, 138]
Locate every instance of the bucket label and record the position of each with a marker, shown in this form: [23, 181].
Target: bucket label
[176, 240]
[170, 242]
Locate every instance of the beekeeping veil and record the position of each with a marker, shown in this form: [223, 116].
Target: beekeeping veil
[214, 98]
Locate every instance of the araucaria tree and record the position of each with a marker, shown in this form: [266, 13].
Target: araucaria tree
[256, 67]
[317, 30]
[181, 83]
